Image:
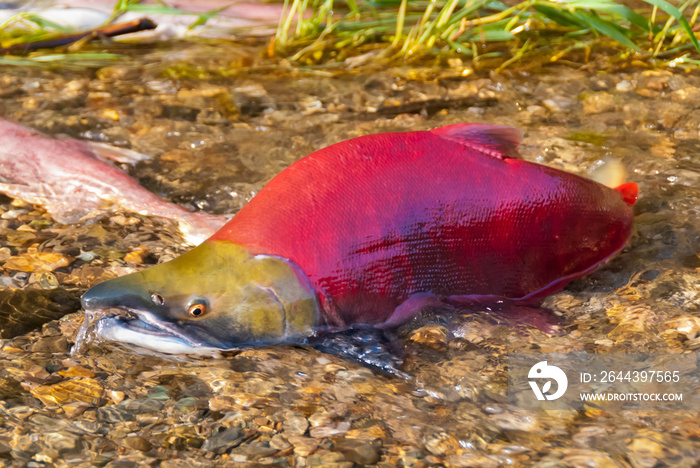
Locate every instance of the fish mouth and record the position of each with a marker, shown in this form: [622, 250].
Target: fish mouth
[144, 330]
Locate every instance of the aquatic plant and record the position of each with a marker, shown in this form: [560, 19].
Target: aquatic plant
[528, 33]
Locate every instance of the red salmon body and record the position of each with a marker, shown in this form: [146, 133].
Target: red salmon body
[375, 220]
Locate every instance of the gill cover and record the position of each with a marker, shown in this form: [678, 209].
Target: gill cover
[217, 295]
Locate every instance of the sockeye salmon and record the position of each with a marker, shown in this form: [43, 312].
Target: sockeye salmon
[362, 232]
[69, 178]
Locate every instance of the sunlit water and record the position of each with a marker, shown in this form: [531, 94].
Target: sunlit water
[214, 142]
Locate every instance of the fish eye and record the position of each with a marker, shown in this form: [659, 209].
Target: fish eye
[197, 309]
[157, 299]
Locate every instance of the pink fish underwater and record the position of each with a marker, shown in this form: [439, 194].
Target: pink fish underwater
[69, 178]
[367, 230]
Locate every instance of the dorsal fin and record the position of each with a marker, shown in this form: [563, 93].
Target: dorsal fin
[493, 140]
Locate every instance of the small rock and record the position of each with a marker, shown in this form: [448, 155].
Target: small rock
[114, 414]
[137, 256]
[11, 214]
[559, 104]
[116, 396]
[137, 443]
[321, 418]
[329, 460]
[222, 403]
[441, 443]
[68, 391]
[295, 426]
[86, 427]
[35, 261]
[596, 103]
[24, 447]
[62, 443]
[648, 92]
[187, 404]
[655, 81]
[143, 405]
[624, 86]
[255, 451]
[223, 441]
[117, 73]
[516, 421]
[584, 457]
[648, 449]
[35, 374]
[330, 430]
[51, 344]
[431, 336]
[187, 463]
[303, 446]
[75, 409]
[360, 451]
[278, 442]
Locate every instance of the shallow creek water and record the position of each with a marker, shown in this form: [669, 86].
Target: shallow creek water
[216, 133]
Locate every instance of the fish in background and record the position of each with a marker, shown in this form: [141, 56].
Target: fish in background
[249, 18]
[72, 181]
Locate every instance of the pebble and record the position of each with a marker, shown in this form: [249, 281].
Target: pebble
[142, 405]
[596, 103]
[328, 460]
[114, 414]
[624, 86]
[585, 458]
[136, 443]
[51, 344]
[278, 442]
[223, 441]
[330, 430]
[34, 260]
[62, 444]
[359, 451]
[295, 426]
[516, 421]
[303, 446]
[23, 447]
[75, 408]
[559, 104]
[441, 443]
[69, 391]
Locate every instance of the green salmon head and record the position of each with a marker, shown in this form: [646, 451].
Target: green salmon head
[216, 296]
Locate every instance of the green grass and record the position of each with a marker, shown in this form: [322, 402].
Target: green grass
[75, 60]
[464, 34]
[487, 32]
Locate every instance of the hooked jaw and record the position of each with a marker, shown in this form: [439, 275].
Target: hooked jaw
[141, 332]
[212, 298]
[132, 317]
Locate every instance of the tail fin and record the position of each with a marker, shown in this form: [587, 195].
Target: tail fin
[610, 172]
[629, 192]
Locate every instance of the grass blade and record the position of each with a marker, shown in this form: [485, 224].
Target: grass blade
[676, 13]
[609, 29]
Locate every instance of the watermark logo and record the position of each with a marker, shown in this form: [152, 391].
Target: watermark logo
[614, 381]
[552, 373]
